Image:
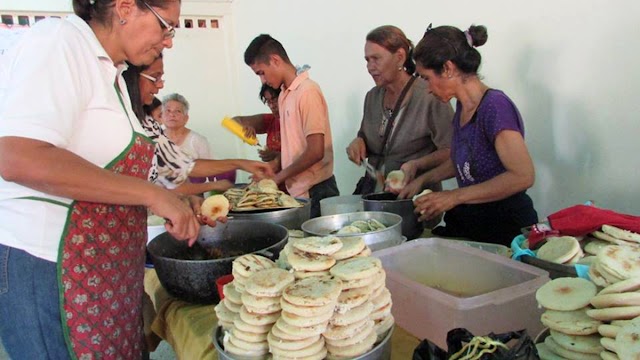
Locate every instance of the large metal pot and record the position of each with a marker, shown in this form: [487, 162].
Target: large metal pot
[411, 227]
[341, 204]
[190, 273]
[376, 240]
[290, 218]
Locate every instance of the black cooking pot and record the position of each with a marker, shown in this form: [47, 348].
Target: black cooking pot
[388, 202]
[190, 273]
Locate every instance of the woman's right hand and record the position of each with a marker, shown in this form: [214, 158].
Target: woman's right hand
[357, 151]
[249, 132]
[258, 169]
[410, 169]
[181, 223]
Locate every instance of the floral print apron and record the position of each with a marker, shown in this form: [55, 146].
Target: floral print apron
[101, 268]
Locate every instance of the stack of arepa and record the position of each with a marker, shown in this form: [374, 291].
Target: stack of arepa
[352, 328]
[618, 307]
[259, 311]
[242, 267]
[615, 263]
[307, 306]
[332, 303]
[570, 250]
[574, 334]
[616, 268]
[312, 256]
[607, 235]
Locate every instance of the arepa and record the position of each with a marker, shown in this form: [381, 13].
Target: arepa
[356, 268]
[313, 291]
[559, 249]
[627, 341]
[566, 294]
[621, 233]
[326, 245]
[268, 282]
[575, 322]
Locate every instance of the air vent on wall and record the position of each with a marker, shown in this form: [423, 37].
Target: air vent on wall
[28, 19]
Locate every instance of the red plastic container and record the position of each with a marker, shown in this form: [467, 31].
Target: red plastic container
[221, 282]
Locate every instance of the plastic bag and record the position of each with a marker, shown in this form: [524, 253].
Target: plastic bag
[523, 348]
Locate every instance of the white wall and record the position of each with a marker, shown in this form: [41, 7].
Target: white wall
[570, 66]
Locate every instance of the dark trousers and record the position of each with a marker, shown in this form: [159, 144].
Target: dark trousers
[319, 191]
[496, 222]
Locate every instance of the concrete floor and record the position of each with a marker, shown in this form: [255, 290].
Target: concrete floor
[163, 352]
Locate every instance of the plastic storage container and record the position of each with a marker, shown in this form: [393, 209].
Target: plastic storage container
[438, 285]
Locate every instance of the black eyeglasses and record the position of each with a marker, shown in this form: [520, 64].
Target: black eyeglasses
[170, 30]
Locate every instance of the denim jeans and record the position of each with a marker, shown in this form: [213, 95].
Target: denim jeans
[319, 191]
[30, 323]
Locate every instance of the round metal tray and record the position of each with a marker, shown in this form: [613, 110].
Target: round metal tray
[291, 218]
[376, 240]
[380, 351]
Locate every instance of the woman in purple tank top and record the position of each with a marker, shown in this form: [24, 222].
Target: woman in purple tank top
[489, 157]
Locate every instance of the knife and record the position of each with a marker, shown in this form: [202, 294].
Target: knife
[376, 174]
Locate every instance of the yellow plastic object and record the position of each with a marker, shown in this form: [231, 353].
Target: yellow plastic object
[237, 129]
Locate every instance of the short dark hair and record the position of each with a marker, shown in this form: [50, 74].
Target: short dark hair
[445, 43]
[268, 89]
[156, 103]
[261, 48]
[393, 39]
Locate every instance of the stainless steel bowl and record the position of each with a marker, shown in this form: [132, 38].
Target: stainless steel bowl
[290, 218]
[380, 351]
[376, 240]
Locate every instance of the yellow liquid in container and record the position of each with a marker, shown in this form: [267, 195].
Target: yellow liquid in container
[237, 130]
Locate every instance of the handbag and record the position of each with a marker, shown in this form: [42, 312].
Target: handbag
[367, 184]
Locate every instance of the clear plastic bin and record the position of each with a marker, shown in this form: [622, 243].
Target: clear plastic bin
[438, 285]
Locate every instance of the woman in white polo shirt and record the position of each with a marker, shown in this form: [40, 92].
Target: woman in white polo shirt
[73, 193]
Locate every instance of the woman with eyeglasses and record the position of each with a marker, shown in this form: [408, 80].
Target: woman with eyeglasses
[489, 157]
[265, 124]
[420, 128]
[173, 167]
[74, 193]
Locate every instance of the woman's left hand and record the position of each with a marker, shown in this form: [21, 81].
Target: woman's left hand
[431, 205]
[410, 189]
[196, 203]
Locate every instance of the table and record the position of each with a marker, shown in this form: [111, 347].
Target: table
[188, 327]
